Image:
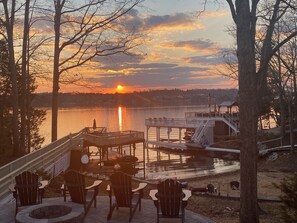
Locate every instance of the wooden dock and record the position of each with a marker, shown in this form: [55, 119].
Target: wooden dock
[113, 139]
[109, 143]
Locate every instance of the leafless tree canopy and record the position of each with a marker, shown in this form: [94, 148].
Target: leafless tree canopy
[85, 32]
[60, 37]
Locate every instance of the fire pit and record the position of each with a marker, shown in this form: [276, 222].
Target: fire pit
[49, 212]
[53, 213]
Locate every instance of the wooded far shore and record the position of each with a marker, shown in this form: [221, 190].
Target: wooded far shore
[151, 98]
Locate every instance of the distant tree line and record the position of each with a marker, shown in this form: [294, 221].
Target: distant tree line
[152, 98]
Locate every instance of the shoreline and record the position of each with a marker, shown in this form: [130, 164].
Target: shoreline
[200, 177]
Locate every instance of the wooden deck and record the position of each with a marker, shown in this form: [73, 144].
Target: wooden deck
[112, 145]
[113, 139]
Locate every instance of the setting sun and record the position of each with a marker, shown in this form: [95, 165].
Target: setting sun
[120, 88]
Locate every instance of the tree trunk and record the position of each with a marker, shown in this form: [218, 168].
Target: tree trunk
[13, 76]
[247, 115]
[294, 101]
[28, 123]
[28, 105]
[56, 74]
[15, 104]
[24, 92]
[55, 95]
[291, 125]
[282, 116]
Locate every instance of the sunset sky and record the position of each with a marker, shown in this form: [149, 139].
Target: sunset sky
[182, 50]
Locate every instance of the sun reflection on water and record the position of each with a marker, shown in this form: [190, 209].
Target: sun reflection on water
[120, 118]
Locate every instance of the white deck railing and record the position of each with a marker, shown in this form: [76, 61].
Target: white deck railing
[192, 120]
[53, 158]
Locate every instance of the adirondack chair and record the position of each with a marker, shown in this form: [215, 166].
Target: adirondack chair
[79, 192]
[170, 199]
[27, 189]
[124, 194]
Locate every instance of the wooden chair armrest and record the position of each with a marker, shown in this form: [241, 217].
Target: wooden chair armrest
[11, 188]
[141, 186]
[43, 183]
[108, 190]
[63, 187]
[94, 185]
[187, 193]
[63, 190]
[153, 194]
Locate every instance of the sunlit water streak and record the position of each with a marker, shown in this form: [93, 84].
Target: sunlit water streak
[120, 119]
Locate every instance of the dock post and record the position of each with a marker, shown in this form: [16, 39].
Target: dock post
[147, 153]
[134, 148]
[143, 157]
[158, 134]
[100, 155]
[147, 133]
[168, 134]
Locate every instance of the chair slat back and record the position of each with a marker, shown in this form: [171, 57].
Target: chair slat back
[122, 188]
[27, 188]
[75, 183]
[170, 197]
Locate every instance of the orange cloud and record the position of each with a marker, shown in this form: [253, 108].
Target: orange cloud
[178, 21]
[199, 45]
[214, 14]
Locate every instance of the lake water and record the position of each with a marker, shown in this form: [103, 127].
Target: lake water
[158, 165]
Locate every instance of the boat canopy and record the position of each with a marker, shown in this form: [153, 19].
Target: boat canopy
[228, 105]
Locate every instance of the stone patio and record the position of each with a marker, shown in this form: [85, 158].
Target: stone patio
[99, 214]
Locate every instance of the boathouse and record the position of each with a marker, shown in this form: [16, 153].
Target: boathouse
[231, 112]
[197, 130]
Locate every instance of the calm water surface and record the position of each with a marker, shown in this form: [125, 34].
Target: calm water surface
[158, 165]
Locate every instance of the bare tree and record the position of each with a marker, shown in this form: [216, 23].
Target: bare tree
[83, 32]
[252, 79]
[8, 23]
[13, 13]
[281, 70]
[23, 97]
[283, 75]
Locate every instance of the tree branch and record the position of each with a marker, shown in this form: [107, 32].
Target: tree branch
[233, 11]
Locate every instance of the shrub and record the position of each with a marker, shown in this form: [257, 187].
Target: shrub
[289, 198]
